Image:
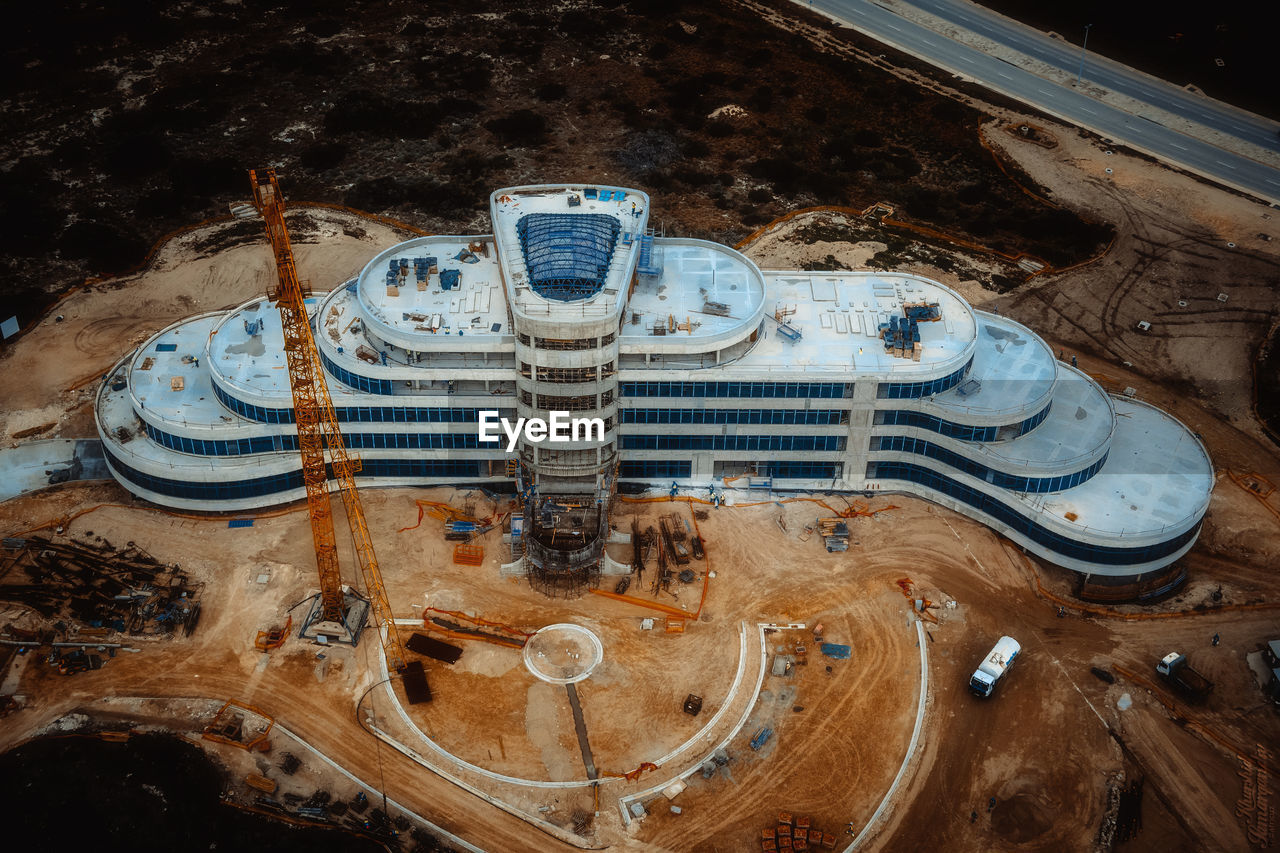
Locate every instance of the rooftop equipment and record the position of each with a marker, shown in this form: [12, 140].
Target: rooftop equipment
[789, 332]
[923, 311]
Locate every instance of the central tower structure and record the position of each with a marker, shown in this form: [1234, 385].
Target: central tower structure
[568, 258]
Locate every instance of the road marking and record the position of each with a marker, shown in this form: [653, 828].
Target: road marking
[1043, 92]
[892, 27]
[1220, 163]
[1005, 76]
[1087, 110]
[966, 59]
[1268, 180]
[1179, 147]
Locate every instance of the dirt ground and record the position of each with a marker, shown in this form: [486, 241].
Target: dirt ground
[1049, 745]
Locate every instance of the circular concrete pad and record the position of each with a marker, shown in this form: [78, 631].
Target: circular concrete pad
[563, 653]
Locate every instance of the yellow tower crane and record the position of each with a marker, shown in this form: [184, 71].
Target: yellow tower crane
[317, 432]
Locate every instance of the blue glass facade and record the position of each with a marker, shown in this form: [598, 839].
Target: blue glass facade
[273, 484]
[353, 440]
[360, 414]
[731, 442]
[912, 390]
[355, 380]
[800, 470]
[1103, 554]
[963, 432]
[647, 469]
[907, 444]
[823, 390]
[806, 417]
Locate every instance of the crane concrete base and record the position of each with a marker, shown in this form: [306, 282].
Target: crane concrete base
[355, 610]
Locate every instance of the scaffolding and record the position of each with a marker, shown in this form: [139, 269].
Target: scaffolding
[563, 537]
[563, 547]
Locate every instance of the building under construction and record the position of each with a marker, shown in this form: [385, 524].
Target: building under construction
[702, 371]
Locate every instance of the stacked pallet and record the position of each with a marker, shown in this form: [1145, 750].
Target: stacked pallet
[835, 533]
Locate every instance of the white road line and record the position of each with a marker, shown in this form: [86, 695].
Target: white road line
[1179, 147]
[1220, 163]
[1005, 76]
[1268, 180]
[892, 27]
[1087, 110]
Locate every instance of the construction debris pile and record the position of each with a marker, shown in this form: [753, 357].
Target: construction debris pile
[95, 588]
[673, 544]
[835, 533]
[794, 833]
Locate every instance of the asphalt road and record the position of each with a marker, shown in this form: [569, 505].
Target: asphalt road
[1065, 102]
[1100, 71]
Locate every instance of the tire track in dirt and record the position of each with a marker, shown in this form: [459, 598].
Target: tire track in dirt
[100, 338]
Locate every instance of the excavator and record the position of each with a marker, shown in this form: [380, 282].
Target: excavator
[338, 615]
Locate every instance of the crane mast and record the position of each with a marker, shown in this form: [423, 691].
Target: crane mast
[318, 431]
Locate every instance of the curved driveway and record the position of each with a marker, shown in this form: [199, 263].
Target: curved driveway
[1068, 103]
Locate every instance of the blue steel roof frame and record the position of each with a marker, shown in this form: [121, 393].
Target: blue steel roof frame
[567, 254]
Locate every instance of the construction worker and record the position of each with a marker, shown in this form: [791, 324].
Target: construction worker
[973, 817]
[991, 804]
[1216, 638]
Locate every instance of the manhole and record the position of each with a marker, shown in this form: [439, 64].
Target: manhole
[562, 653]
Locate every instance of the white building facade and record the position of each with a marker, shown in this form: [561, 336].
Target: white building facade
[707, 373]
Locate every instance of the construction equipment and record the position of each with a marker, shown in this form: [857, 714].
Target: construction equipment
[273, 638]
[262, 783]
[994, 666]
[78, 661]
[339, 616]
[1174, 669]
[240, 725]
[761, 737]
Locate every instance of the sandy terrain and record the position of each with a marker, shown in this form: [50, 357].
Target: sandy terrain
[1047, 746]
[50, 375]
